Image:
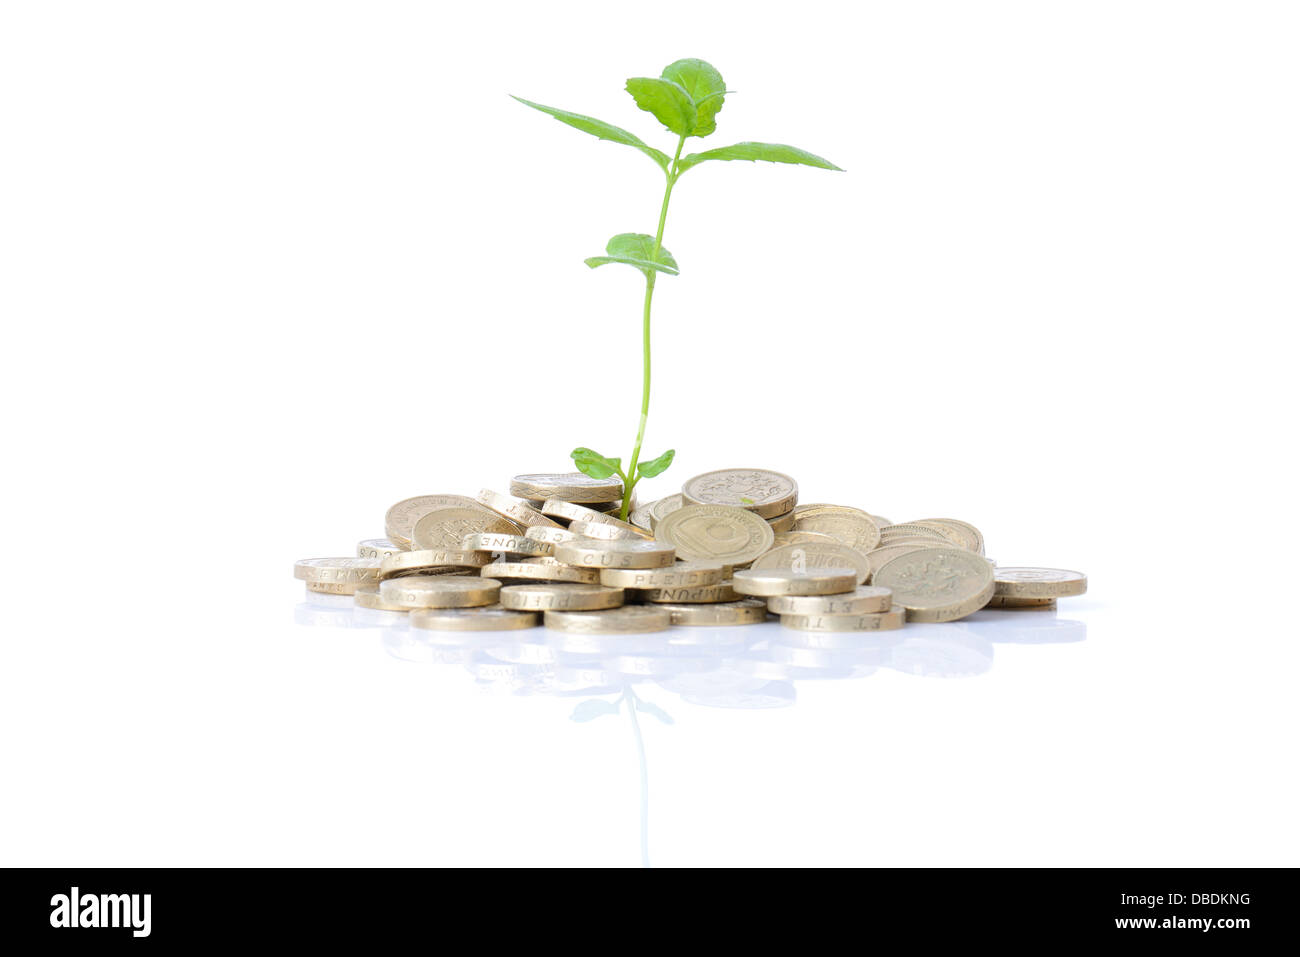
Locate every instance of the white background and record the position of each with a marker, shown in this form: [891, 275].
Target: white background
[268, 267]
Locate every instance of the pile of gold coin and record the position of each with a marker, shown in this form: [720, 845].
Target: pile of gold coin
[734, 547]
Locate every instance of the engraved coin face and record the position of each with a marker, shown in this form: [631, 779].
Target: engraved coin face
[400, 521]
[851, 526]
[760, 491]
[570, 486]
[447, 525]
[716, 533]
[813, 555]
[938, 584]
[1023, 582]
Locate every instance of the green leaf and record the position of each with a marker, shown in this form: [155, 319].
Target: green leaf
[636, 249]
[670, 104]
[767, 152]
[593, 709]
[655, 466]
[601, 130]
[703, 84]
[594, 464]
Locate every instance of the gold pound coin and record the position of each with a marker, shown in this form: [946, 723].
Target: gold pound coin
[569, 597]
[662, 507]
[514, 509]
[616, 621]
[716, 533]
[692, 595]
[368, 596]
[499, 544]
[962, 534]
[849, 526]
[882, 621]
[587, 517]
[570, 486]
[766, 582]
[763, 492]
[1004, 601]
[797, 537]
[677, 575]
[938, 584]
[864, 600]
[422, 591]
[806, 556]
[377, 548]
[399, 523]
[747, 611]
[554, 536]
[533, 570]
[333, 588]
[878, 556]
[472, 619]
[424, 560]
[337, 576]
[592, 553]
[908, 530]
[1022, 582]
[640, 517]
[782, 523]
[447, 525]
[607, 533]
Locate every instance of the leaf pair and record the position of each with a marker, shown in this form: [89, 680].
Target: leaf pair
[685, 98]
[636, 249]
[591, 462]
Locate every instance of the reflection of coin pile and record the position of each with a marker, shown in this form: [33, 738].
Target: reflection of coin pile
[732, 548]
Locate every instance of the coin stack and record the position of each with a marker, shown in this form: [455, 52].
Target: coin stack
[731, 548]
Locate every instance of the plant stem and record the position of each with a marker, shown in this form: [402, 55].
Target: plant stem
[631, 478]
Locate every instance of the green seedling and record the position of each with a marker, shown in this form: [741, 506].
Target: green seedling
[686, 98]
